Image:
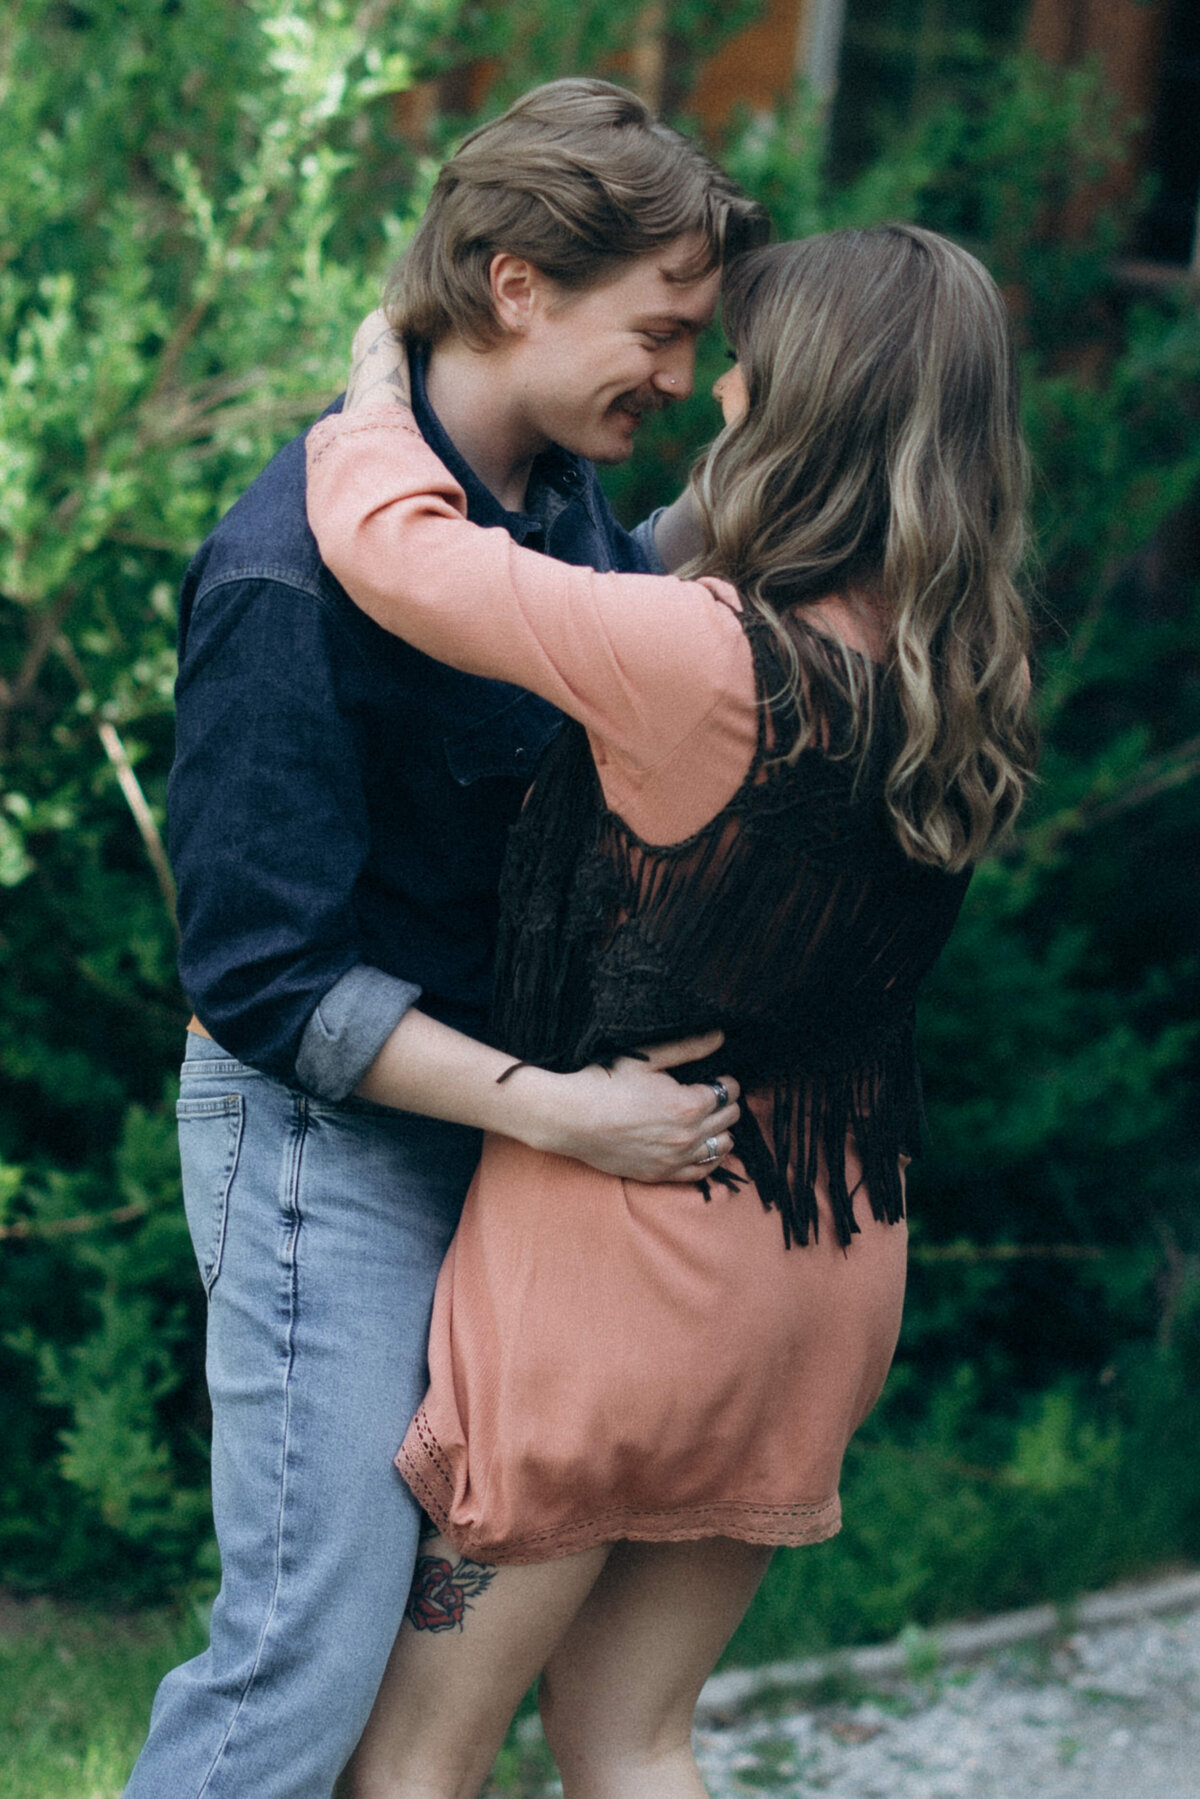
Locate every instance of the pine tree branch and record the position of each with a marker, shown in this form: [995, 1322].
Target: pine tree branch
[1175, 768]
[194, 426]
[192, 320]
[1006, 1252]
[131, 787]
[13, 694]
[26, 1228]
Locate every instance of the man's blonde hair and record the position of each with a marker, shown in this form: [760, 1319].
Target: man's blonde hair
[578, 177]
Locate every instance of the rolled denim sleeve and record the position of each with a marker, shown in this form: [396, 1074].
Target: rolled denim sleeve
[269, 835]
[350, 1026]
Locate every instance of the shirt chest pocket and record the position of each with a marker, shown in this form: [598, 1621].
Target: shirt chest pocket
[509, 742]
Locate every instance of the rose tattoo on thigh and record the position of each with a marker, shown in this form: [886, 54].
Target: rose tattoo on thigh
[441, 1592]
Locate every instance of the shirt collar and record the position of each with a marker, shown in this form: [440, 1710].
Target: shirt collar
[557, 477]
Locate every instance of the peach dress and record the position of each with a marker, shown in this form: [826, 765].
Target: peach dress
[609, 1359]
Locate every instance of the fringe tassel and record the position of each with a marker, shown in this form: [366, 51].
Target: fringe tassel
[551, 909]
[812, 1121]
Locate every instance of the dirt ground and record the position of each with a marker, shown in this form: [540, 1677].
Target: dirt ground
[1101, 1711]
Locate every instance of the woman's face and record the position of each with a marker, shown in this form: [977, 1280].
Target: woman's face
[730, 391]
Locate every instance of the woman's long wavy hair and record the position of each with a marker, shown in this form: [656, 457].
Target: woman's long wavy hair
[881, 459]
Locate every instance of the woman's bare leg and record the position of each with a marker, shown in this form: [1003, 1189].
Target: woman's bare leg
[472, 1642]
[618, 1693]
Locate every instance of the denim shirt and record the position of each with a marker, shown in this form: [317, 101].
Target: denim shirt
[339, 803]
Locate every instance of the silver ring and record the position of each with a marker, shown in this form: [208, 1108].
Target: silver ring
[712, 1150]
[720, 1092]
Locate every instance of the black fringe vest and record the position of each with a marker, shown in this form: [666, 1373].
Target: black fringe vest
[792, 921]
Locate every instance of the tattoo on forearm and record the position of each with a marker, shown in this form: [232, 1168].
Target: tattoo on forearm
[376, 371]
[442, 1591]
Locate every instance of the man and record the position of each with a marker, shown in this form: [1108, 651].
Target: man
[339, 805]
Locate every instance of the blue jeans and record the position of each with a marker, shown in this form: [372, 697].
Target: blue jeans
[319, 1230]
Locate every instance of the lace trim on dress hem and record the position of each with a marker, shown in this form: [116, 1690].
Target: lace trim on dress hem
[434, 1452]
[423, 1469]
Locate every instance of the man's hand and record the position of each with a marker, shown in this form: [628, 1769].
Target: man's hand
[638, 1122]
[378, 366]
[678, 532]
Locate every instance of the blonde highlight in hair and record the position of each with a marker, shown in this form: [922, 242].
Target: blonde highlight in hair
[578, 177]
[881, 456]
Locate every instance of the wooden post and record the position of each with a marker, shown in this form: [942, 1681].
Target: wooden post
[819, 32]
[647, 54]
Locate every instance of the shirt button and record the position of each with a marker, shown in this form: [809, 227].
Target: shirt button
[520, 755]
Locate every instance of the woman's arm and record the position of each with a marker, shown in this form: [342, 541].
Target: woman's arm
[378, 366]
[379, 375]
[641, 660]
[635, 1121]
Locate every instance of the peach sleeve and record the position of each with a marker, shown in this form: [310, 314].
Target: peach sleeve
[643, 661]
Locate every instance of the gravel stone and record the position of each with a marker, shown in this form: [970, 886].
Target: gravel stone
[1104, 1713]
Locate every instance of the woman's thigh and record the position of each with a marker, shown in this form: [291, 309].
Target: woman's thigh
[472, 1642]
[622, 1685]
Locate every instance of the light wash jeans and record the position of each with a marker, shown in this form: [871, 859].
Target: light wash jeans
[319, 1230]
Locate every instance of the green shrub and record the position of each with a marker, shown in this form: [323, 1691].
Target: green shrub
[962, 1512]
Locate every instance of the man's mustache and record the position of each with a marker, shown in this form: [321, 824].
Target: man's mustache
[643, 404]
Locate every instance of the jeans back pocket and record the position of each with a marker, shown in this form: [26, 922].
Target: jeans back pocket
[210, 1141]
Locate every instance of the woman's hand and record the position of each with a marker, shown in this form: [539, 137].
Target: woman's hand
[678, 532]
[637, 1121]
[633, 1120]
[378, 366]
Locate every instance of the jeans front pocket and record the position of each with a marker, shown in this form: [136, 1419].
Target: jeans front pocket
[210, 1140]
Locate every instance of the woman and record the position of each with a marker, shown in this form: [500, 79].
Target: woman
[763, 821]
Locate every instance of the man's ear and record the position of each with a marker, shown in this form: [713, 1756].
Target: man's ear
[515, 285]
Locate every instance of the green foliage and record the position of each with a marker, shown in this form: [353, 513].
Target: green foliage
[76, 1689]
[196, 202]
[963, 1512]
[540, 40]
[173, 303]
[112, 1368]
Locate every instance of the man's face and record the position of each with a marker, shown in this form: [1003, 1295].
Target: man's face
[590, 365]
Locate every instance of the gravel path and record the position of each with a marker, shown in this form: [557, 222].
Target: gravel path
[1109, 1711]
